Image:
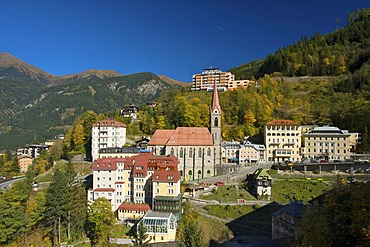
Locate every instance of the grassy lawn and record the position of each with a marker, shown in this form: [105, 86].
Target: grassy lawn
[120, 231]
[82, 167]
[228, 211]
[300, 189]
[213, 230]
[228, 194]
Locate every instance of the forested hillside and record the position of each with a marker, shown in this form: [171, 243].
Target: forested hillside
[341, 52]
[30, 108]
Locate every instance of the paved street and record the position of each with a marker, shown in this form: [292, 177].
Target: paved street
[6, 184]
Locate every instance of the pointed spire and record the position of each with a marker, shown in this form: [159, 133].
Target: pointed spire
[215, 101]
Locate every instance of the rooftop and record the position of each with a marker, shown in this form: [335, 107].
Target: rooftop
[282, 122]
[134, 206]
[109, 123]
[294, 209]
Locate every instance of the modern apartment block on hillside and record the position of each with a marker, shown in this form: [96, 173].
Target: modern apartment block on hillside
[107, 134]
[224, 80]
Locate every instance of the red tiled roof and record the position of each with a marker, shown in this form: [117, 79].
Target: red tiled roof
[191, 136]
[166, 176]
[133, 206]
[106, 164]
[109, 123]
[282, 122]
[104, 190]
[160, 137]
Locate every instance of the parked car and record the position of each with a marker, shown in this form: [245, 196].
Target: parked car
[219, 183]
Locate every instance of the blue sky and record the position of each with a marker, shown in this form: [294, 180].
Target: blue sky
[176, 38]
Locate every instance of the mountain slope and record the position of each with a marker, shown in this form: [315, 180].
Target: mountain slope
[35, 103]
[12, 67]
[338, 53]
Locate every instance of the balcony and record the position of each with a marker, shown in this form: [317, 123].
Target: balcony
[280, 153]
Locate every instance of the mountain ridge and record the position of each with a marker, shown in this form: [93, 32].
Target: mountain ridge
[35, 103]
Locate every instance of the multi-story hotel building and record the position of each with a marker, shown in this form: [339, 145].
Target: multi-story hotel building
[224, 80]
[107, 134]
[327, 142]
[138, 179]
[282, 140]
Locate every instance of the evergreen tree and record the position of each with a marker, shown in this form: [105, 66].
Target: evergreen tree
[56, 202]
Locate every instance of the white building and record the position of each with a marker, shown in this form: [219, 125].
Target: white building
[107, 134]
[130, 179]
[251, 153]
[230, 151]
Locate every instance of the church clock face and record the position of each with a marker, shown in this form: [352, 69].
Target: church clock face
[215, 111]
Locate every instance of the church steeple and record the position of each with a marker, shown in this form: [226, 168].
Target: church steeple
[215, 101]
[215, 110]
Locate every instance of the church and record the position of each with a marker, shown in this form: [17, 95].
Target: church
[197, 148]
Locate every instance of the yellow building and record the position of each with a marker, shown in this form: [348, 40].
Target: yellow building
[160, 226]
[282, 140]
[327, 142]
[24, 162]
[132, 211]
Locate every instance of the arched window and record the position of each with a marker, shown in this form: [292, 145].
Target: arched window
[190, 152]
[216, 122]
[208, 152]
[181, 173]
[181, 153]
[199, 153]
[190, 175]
[172, 151]
[208, 173]
[199, 174]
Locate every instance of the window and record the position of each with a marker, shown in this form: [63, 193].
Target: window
[190, 152]
[208, 152]
[181, 153]
[199, 153]
[170, 191]
[216, 122]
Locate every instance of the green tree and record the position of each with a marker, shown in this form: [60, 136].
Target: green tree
[78, 137]
[341, 219]
[56, 201]
[100, 222]
[141, 238]
[77, 203]
[189, 233]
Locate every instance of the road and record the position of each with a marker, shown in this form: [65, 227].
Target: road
[9, 183]
[237, 176]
